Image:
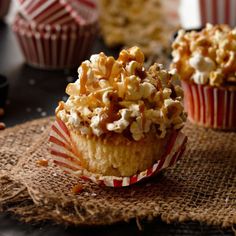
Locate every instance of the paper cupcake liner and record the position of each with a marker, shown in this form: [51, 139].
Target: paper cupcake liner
[210, 106]
[55, 11]
[171, 10]
[4, 7]
[48, 28]
[218, 12]
[48, 47]
[65, 155]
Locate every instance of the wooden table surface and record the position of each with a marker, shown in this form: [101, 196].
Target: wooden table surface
[33, 94]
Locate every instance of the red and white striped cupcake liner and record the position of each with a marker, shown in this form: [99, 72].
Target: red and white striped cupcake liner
[64, 155]
[58, 11]
[54, 46]
[210, 106]
[218, 12]
[170, 8]
[4, 7]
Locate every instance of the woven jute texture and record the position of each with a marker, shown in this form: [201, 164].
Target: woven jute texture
[14, 142]
[201, 187]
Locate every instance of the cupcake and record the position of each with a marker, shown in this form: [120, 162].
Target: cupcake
[206, 63]
[57, 12]
[200, 12]
[55, 34]
[120, 118]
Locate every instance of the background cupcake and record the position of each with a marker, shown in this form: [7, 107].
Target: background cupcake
[56, 34]
[206, 62]
[148, 24]
[200, 12]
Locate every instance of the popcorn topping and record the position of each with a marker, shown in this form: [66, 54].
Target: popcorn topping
[206, 57]
[203, 66]
[121, 96]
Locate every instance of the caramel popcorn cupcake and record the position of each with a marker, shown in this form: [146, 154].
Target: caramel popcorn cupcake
[121, 117]
[206, 63]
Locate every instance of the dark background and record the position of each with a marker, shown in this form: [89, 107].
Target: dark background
[35, 93]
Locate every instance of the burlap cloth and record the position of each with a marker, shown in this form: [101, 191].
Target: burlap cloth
[201, 187]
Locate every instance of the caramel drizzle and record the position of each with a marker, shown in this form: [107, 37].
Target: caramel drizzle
[113, 71]
[83, 79]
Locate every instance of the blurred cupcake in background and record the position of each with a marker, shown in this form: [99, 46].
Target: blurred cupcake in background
[56, 34]
[148, 24]
[4, 7]
[206, 62]
[59, 12]
[200, 12]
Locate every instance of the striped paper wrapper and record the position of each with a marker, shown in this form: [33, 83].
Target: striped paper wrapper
[171, 8]
[54, 47]
[218, 12]
[66, 156]
[210, 106]
[58, 11]
[4, 7]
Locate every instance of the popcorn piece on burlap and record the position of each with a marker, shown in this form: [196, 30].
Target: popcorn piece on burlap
[201, 187]
[14, 197]
[16, 140]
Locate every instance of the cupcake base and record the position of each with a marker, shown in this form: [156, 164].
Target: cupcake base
[210, 107]
[65, 154]
[118, 156]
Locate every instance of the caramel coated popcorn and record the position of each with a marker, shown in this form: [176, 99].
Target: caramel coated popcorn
[144, 23]
[206, 57]
[121, 96]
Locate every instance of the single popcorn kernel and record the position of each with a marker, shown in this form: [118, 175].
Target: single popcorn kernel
[42, 162]
[77, 189]
[134, 54]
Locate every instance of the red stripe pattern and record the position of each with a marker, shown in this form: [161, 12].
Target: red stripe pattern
[56, 47]
[69, 161]
[209, 106]
[54, 11]
[218, 12]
